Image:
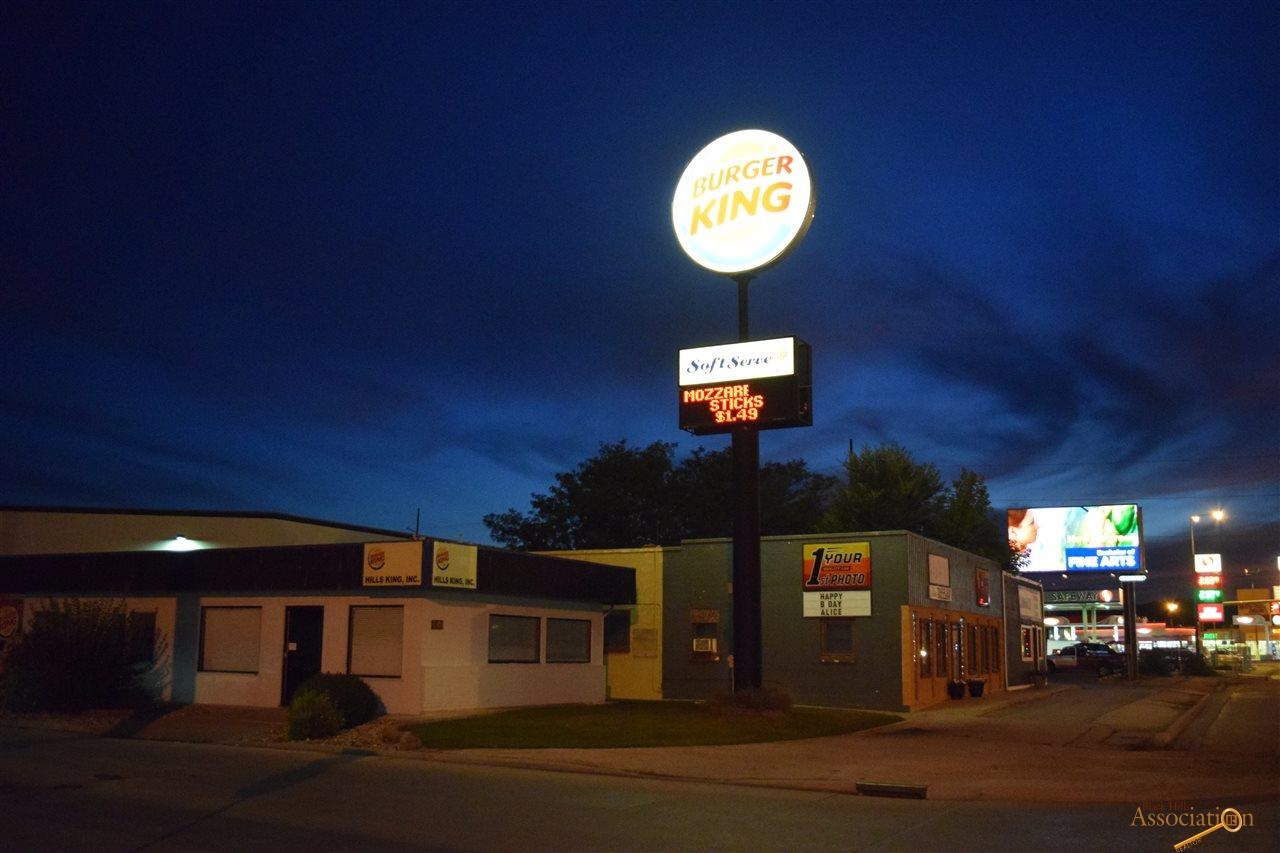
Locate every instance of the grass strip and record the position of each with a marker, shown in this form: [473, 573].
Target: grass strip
[639, 724]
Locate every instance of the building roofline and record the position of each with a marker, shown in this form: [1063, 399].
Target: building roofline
[211, 513]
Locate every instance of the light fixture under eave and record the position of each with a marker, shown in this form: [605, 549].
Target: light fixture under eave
[182, 543]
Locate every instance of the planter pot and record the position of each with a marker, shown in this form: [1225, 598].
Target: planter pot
[955, 689]
[975, 687]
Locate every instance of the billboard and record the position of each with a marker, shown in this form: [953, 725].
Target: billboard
[1070, 539]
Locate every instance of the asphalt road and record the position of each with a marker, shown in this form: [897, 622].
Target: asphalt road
[60, 792]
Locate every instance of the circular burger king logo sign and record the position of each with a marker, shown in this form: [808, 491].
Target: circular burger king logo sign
[743, 202]
[377, 559]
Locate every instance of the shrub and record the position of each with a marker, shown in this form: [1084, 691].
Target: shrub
[312, 715]
[355, 702]
[1196, 665]
[1154, 662]
[77, 655]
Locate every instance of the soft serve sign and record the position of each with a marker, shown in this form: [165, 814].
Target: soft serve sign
[743, 202]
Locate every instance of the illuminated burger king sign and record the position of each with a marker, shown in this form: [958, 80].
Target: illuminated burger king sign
[743, 202]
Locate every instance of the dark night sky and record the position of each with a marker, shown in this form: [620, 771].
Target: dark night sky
[346, 260]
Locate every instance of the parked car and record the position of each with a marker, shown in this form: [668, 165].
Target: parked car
[1172, 662]
[1099, 657]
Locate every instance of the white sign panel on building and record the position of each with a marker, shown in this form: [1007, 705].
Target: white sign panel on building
[392, 564]
[837, 604]
[453, 565]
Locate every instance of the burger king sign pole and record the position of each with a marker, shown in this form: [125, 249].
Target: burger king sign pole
[743, 202]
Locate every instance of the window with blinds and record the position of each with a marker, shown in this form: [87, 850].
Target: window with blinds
[514, 639]
[230, 639]
[568, 641]
[376, 641]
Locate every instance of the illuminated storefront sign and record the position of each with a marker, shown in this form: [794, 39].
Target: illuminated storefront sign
[836, 577]
[1208, 564]
[743, 201]
[736, 362]
[1080, 596]
[1208, 580]
[1209, 595]
[836, 565]
[1209, 612]
[761, 396]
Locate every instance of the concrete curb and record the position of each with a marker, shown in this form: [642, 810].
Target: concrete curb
[1163, 739]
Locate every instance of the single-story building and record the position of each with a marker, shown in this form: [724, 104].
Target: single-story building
[428, 624]
[875, 620]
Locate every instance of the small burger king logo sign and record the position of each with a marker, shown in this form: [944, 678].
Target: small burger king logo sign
[377, 559]
[743, 202]
[442, 559]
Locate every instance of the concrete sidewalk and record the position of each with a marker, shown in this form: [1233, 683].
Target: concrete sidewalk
[1103, 742]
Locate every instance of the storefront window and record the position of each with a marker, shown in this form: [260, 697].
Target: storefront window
[568, 641]
[617, 631]
[940, 657]
[925, 655]
[513, 639]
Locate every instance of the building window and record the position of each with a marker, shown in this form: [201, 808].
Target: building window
[926, 648]
[514, 639]
[617, 631]
[230, 638]
[972, 665]
[837, 640]
[1028, 649]
[704, 624]
[941, 660]
[141, 626]
[568, 641]
[375, 641]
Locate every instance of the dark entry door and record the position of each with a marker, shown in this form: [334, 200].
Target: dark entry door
[303, 637]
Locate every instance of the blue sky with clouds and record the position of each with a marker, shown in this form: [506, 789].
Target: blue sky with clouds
[349, 260]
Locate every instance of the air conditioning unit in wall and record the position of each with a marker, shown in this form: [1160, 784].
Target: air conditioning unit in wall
[704, 644]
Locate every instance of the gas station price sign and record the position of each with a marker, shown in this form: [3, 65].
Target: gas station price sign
[755, 384]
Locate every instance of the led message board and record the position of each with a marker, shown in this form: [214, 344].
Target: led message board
[751, 385]
[1077, 538]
